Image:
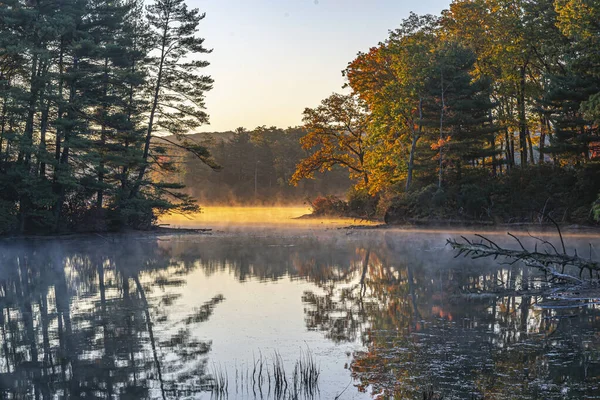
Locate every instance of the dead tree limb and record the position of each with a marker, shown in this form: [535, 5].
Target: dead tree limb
[546, 261]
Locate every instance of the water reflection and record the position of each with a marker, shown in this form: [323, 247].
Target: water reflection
[79, 320]
[110, 319]
[469, 330]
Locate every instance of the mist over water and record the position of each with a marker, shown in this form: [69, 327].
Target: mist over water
[383, 312]
[232, 218]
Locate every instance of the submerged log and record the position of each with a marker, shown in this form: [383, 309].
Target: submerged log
[548, 262]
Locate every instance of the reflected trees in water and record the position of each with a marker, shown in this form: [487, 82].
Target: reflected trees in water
[105, 319]
[76, 321]
[467, 328]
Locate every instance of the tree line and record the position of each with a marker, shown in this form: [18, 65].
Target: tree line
[256, 167]
[490, 110]
[89, 90]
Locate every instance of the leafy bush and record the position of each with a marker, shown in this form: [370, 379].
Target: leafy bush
[329, 205]
[524, 195]
[428, 202]
[472, 200]
[361, 204]
[137, 213]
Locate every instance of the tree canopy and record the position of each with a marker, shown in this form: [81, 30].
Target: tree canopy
[473, 100]
[88, 89]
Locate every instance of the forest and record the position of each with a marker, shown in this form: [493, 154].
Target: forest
[489, 111]
[256, 167]
[89, 92]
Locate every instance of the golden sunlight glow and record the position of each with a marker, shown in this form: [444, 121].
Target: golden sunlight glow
[260, 216]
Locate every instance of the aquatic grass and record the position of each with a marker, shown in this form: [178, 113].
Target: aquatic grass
[220, 384]
[269, 375]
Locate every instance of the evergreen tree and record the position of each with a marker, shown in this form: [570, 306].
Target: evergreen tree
[177, 90]
[76, 88]
[463, 105]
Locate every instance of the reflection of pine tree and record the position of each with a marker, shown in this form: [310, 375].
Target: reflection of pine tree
[114, 342]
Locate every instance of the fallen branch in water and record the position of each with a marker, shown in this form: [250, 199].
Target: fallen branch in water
[545, 261]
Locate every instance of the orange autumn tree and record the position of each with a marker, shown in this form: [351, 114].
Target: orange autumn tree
[337, 133]
[371, 77]
[391, 80]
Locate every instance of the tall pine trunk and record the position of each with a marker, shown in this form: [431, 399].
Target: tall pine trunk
[441, 171]
[155, 99]
[542, 139]
[64, 155]
[27, 141]
[3, 118]
[100, 194]
[522, 117]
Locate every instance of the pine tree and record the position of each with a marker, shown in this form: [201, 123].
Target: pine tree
[463, 107]
[177, 90]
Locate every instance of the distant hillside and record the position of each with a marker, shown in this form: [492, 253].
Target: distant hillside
[256, 167]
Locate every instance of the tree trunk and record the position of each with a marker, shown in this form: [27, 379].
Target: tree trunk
[411, 161]
[493, 145]
[27, 143]
[530, 142]
[2, 128]
[500, 163]
[512, 149]
[157, 88]
[57, 150]
[441, 166]
[100, 194]
[413, 147]
[522, 118]
[42, 147]
[64, 157]
[542, 139]
[494, 160]
[507, 149]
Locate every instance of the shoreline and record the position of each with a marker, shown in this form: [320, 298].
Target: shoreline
[111, 236]
[417, 226]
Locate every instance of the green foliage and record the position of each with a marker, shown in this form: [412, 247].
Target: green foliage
[496, 101]
[134, 214]
[526, 195]
[591, 108]
[424, 203]
[596, 210]
[81, 93]
[472, 200]
[362, 204]
[8, 217]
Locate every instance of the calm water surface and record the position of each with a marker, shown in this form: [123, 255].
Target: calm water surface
[382, 313]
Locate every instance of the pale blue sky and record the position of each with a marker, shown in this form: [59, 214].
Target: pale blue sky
[273, 58]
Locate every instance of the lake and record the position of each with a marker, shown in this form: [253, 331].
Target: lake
[285, 311]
